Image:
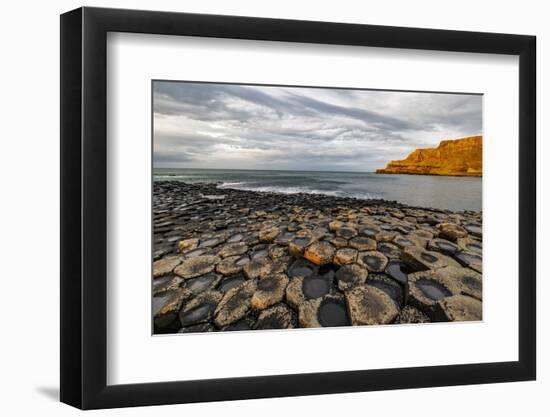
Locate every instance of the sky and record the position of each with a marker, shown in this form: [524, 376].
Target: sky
[232, 126]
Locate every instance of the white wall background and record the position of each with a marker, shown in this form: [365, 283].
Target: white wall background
[29, 225]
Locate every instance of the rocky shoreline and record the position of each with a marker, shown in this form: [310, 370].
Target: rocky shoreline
[229, 259]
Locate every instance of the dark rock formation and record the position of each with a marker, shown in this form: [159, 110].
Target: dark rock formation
[253, 261]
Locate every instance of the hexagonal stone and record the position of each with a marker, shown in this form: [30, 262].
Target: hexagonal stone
[362, 243]
[160, 251]
[294, 295]
[235, 304]
[199, 265]
[187, 244]
[388, 225]
[260, 252]
[276, 251]
[403, 242]
[262, 267]
[243, 260]
[398, 271]
[350, 275]
[320, 253]
[425, 235]
[374, 261]
[231, 282]
[328, 270]
[268, 234]
[442, 245]
[315, 286]
[159, 300]
[210, 242]
[196, 252]
[165, 308]
[451, 231]
[474, 228]
[235, 238]
[301, 268]
[470, 259]
[329, 311]
[389, 286]
[277, 317]
[404, 230]
[468, 244]
[232, 249]
[269, 291]
[346, 232]
[230, 266]
[426, 288]
[368, 305]
[200, 309]
[398, 214]
[165, 265]
[470, 282]
[284, 239]
[335, 225]
[389, 249]
[411, 315]
[369, 230]
[305, 230]
[202, 283]
[337, 242]
[298, 245]
[419, 259]
[166, 283]
[458, 308]
[345, 256]
[251, 239]
[386, 235]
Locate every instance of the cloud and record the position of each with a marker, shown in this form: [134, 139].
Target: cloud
[203, 125]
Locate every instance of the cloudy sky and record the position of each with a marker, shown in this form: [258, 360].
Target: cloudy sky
[233, 126]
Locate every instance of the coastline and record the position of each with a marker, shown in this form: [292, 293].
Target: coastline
[228, 259]
[383, 171]
[452, 157]
[445, 192]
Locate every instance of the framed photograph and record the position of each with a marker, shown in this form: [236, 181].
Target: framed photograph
[257, 208]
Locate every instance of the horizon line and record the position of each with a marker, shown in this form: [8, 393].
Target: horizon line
[279, 170]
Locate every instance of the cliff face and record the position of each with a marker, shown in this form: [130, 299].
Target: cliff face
[460, 157]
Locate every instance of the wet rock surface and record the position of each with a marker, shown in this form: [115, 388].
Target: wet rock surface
[196, 266]
[235, 304]
[411, 315]
[229, 260]
[349, 276]
[368, 305]
[373, 261]
[269, 291]
[320, 253]
[165, 265]
[345, 256]
[200, 309]
[327, 311]
[457, 308]
[277, 317]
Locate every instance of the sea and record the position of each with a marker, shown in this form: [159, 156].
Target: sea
[453, 193]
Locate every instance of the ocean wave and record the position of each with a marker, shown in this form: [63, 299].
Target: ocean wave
[231, 184]
[243, 186]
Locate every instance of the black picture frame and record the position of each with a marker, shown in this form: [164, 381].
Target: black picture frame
[84, 207]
